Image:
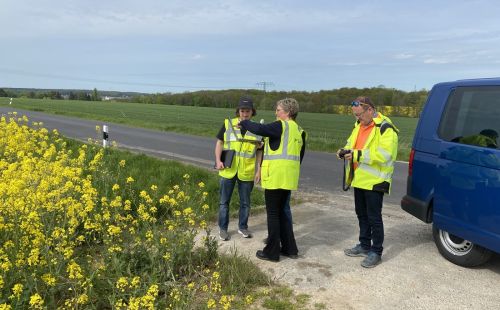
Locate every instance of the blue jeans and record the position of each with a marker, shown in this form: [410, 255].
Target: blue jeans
[226, 191]
[287, 209]
[368, 205]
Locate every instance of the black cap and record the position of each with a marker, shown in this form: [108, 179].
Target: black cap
[489, 133]
[245, 103]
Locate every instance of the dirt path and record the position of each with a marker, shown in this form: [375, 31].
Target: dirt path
[413, 275]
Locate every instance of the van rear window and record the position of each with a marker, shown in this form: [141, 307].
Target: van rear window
[472, 116]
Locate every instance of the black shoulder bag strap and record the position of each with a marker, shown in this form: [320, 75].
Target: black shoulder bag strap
[345, 186]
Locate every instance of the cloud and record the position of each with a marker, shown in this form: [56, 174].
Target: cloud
[438, 61]
[154, 17]
[404, 56]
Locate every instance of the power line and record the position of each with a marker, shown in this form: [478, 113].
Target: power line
[72, 78]
[265, 84]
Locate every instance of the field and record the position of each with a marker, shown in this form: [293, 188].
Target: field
[326, 132]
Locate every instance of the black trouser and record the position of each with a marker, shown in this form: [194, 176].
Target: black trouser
[279, 228]
[368, 205]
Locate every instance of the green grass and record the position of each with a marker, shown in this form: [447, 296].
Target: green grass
[327, 132]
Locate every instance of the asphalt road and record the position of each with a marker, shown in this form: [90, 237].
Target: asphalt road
[320, 172]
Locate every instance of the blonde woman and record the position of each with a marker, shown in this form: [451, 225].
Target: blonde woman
[283, 150]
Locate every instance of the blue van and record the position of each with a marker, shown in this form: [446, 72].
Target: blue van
[454, 170]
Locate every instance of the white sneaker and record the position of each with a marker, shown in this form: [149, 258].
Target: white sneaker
[223, 235]
[245, 233]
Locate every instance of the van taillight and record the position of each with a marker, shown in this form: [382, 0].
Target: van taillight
[410, 162]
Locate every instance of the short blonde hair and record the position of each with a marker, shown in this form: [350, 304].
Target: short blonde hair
[289, 105]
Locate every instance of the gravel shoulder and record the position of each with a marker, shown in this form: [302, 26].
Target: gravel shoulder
[413, 275]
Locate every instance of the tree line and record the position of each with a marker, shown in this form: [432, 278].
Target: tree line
[325, 101]
[84, 95]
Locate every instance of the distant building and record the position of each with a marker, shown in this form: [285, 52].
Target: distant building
[109, 98]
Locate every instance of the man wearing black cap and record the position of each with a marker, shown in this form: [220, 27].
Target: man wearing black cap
[486, 138]
[242, 170]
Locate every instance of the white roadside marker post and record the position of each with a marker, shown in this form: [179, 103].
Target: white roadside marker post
[105, 136]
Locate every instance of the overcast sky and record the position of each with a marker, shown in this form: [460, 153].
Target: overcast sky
[175, 46]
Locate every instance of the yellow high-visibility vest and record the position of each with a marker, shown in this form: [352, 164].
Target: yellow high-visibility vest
[479, 140]
[376, 159]
[281, 168]
[245, 152]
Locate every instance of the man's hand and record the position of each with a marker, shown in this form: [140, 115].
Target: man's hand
[344, 154]
[219, 165]
[348, 156]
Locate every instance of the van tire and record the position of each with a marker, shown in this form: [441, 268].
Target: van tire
[459, 251]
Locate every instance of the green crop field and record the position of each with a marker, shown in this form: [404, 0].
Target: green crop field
[326, 132]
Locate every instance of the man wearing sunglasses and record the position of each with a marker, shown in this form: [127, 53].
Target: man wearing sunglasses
[373, 146]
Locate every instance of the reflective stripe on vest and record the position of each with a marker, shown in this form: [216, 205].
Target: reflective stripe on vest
[281, 168]
[375, 172]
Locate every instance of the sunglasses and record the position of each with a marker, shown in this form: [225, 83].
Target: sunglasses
[357, 104]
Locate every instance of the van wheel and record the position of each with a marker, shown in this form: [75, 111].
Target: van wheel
[459, 251]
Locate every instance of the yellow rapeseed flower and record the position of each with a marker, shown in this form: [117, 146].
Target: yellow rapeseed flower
[115, 248]
[114, 230]
[211, 303]
[83, 299]
[5, 306]
[248, 299]
[134, 283]
[49, 279]
[120, 304]
[8, 244]
[134, 303]
[122, 284]
[17, 289]
[203, 224]
[36, 301]
[74, 270]
[149, 235]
